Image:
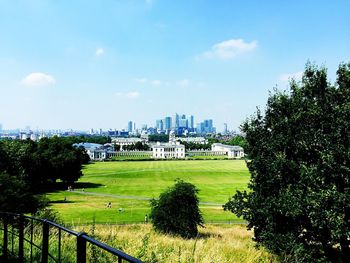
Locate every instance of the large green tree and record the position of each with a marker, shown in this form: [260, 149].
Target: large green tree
[17, 197]
[38, 163]
[299, 158]
[176, 211]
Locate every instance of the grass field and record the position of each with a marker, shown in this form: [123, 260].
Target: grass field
[129, 185]
[215, 243]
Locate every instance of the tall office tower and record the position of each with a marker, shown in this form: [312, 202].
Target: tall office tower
[130, 126]
[200, 127]
[159, 124]
[0, 128]
[210, 126]
[167, 123]
[206, 126]
[183, 123]
[225, 128]
[175, 124]
[190, 121]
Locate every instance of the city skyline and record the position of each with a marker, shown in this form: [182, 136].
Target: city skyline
[82, 64]
[176, 122]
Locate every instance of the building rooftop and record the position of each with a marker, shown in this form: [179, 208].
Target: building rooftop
[231, 147]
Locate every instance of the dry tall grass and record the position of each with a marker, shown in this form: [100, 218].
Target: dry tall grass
[216, 243]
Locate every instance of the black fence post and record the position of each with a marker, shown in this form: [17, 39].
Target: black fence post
[81, 248]
[45, 243]
[20, 238]
[5, 244]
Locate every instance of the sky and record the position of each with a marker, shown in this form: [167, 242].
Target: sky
[98, 64]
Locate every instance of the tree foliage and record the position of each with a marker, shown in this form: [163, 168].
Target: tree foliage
[16, 196]
[38, 163]
[158, 137]
[196, 146]
[238, 140]
[176, 211]
[299, 150]
[138, 146]
[26, 168]
[100, 139]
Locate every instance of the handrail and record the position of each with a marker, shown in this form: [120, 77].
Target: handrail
[18, 221]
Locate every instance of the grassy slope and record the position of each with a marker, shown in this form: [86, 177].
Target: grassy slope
[217, 180]
[224, 243]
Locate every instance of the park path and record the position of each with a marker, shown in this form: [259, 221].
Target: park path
[132, 197]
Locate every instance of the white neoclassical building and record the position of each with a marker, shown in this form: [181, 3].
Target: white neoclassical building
[168, 151]
[230, 150]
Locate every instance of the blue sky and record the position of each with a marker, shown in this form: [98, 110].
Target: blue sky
[97, 64]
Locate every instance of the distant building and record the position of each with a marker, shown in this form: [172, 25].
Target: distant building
[175, 123]
[206, 127]
[198, 140]
[167, 123]
[190, 122]
[231, 151]
[225, 129]
[130, 126]
[168, 151]
[159, 125]
[94, 150]
[127, 141]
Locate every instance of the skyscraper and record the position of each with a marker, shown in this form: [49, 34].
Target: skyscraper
[130, 126]
[225, 128]
[190, 121]
[206, 126]
[183, 123]
[175, 124]
[167, 123]
[159, 125]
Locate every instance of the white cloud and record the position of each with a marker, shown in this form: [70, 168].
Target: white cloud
[229, 49]
[288, 76]
[141, 80]
[99, 51]
[132, 94]
[129, 95]
[38, 79]
[184, 83]
[156, 82]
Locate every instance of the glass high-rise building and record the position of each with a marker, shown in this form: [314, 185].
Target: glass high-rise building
[160, 125]
[167, 123]
[190, 121]
[175, 123]
[130, 126]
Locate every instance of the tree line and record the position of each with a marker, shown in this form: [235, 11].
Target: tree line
[28, 169]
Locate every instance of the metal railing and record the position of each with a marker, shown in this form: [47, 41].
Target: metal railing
[23, 235]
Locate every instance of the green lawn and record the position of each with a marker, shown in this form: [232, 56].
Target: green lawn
[125, 184]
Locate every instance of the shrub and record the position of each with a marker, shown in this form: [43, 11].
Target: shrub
[176, 211]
